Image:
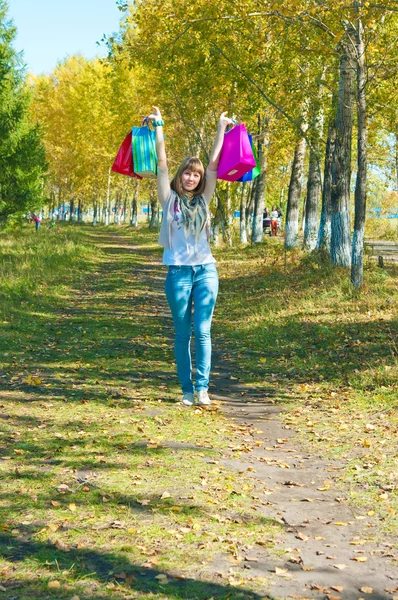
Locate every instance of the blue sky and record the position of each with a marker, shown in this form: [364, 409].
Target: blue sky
[49, 30]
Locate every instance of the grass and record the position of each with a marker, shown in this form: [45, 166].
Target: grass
[112, 490]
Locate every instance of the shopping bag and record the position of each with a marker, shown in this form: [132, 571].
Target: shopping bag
[123, 162]
[236, 154]
[145, 159]
[250, 175]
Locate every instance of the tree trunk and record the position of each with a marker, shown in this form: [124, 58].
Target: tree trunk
[262, 149]
[294, 194]
[95, 212]
[72, 208]
[341, 163]
[326, 210]
[124, 210]
[134, 208]
[60, 207]
[222, 219]
[242, 216]
[228, 218]
[314, 181]
[107, 201]
[154, 220]
[250, 205]
[117, 209]
[360, 184]
[396, 159]
[80, 211]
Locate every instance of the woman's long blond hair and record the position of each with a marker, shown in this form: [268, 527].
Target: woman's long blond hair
[192, 163]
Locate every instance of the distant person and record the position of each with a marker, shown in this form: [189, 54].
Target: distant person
[274, 220]
[192, 280]
[36, 220]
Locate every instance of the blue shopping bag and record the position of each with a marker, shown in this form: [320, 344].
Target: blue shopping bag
[255, 172]
[143, 143]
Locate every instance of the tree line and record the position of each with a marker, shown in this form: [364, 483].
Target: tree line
[313, 80]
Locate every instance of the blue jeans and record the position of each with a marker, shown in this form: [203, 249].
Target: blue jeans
[197, 286]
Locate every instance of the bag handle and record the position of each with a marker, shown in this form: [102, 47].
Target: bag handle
[229, 126]
[146, 123]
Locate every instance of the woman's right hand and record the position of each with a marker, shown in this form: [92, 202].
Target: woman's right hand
[156, 115]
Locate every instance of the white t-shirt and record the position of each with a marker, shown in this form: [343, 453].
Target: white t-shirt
[184, 250]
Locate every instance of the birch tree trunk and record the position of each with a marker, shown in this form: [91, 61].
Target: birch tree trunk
[360, 184]
[154, 221]
[134, 209]
[60, 206]
[294, 194]
[250, 205]
[326, 210]
[72, 208]
[107, 201]
[242, 217]
[259, 201]
[396, 159]
[95, 212]
[340, 242]
[314, 181]
[117, 209]
[80, 211]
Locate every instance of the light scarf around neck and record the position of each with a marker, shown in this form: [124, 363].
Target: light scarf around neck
[194, 215]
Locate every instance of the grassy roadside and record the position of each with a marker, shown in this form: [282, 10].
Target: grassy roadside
[109, 488]
[329, 352]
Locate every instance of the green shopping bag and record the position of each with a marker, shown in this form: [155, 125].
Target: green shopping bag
[143, 143]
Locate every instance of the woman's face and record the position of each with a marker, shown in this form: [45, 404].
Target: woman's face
[190, 180]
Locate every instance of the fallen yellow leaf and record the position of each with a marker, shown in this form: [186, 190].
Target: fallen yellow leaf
[54, 584]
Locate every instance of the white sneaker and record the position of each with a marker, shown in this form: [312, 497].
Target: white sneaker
[188, 399]
[203, 397]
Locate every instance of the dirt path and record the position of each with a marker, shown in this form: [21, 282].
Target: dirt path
[326, 549]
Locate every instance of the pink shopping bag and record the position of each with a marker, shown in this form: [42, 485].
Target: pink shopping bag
[236, 154]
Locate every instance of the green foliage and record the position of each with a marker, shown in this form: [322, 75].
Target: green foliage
[22, 159]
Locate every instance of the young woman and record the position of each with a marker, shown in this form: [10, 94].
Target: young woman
[192, 281]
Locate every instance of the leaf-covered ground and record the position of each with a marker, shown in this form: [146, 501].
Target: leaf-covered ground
[111, 489]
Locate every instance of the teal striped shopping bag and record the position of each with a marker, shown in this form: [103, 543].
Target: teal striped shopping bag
[145, 159]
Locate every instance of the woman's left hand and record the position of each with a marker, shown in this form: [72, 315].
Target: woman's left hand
[225, 121]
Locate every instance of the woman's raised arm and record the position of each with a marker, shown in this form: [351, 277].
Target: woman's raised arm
[163, 175]
[218, 142]
[158, 123]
